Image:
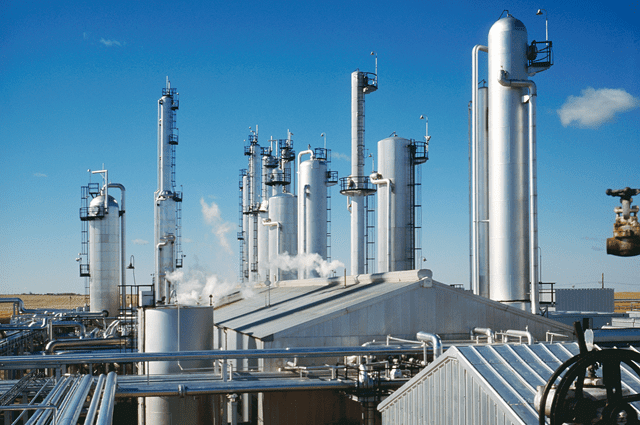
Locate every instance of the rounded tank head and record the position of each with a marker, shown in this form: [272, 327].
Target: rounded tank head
[96, 207]
[508, 23]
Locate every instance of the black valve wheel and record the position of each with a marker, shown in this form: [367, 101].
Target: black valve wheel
[576, 408]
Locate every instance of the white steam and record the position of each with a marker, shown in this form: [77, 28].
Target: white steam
[219, 227]
[307, 262]
[195, 287]
[595, 107]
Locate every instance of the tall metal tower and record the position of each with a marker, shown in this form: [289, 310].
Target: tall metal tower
[167, 200]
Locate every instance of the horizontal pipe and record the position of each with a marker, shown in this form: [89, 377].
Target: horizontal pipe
[22, 362]
[491, 335]
[523, 334]
[127, 390]
[87, 342]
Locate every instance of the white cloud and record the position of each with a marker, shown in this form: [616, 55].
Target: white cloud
[219, 227]
[595, 107]
[110, 43]
[40, 175]
[338, 155]
[140, 242]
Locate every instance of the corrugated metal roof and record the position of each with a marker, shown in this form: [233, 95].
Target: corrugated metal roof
[507, 374]
[292, 306]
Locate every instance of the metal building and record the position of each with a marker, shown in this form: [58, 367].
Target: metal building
[330, 313]
[483, 385]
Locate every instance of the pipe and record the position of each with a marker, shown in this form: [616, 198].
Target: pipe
[81, 327]
[267, 222]
[40, 362]
[93, 407]
[87, 342]
[491, 335]
[435, 341]
[376, 179]
[533, 184]
[52, 398]
[71, 413]
[105, 417]
[164, 241]
[520, 334]
[474, 167]
[123, 245]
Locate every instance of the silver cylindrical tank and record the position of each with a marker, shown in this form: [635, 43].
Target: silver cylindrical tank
[283, 235]
[483, 195]
[104, 255]
[508, 165]
[178, 328]
[312, 211]
[395, 241]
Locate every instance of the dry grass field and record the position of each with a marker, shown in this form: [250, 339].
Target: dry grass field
[626, 301]
[41, 301]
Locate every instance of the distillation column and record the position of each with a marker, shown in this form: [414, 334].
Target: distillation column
[166, 197]
[357, 185]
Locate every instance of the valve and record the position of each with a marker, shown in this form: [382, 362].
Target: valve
[626, 230]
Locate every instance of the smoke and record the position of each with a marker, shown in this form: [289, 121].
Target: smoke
[219, 227]
[308, 262]
[139, 242]
[195, 286]
[595, 107]
[340, 156]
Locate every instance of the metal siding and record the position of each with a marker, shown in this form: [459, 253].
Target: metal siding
[588, 299]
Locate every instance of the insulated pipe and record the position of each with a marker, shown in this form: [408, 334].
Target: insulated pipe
[523, 334]
[474, 168]
[39, 416]
[87, 342]
[164, 241]
[70, 415]
[533, 184]
[491, 335]
[123, 243]
[106, 407]
[435, 341]
[39, 362]
[93, 407]
[376, 179]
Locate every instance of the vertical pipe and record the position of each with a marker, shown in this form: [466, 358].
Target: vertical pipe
[123, 243]
[474, 167]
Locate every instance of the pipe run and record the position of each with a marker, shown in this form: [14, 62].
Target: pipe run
[376, 178]
[435, 341]
[105, 417]
[123, 242]
[519, 334]
[533, 184]
[71, 413]
[474, 168]
[52, 346]
[491, 335]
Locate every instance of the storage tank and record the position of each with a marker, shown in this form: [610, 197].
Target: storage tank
[178, 328]
[283, 233]
[104, 254]
[508, 164]
[395, 205]
[312, 210]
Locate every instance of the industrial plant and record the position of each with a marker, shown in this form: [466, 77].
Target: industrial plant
[384, 343]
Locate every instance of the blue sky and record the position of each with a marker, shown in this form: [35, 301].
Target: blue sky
[80, 83]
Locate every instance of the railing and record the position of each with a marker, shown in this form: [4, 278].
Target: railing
[356, 185]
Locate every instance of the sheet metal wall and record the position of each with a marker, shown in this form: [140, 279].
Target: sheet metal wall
[593, 299]
[449, 394]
